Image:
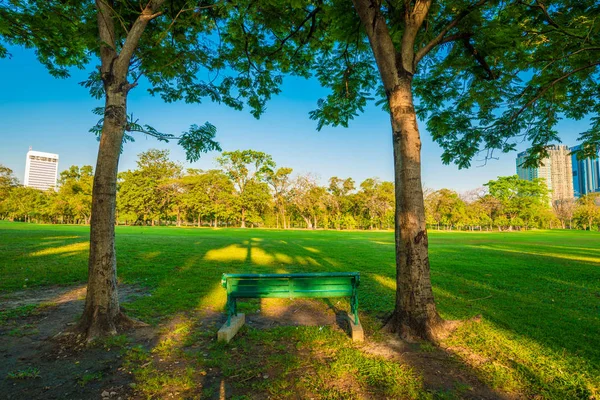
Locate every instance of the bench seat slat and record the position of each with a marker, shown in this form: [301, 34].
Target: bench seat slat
[283, 281]
[288, 295]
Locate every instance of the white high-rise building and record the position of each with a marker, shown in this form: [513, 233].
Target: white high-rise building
[41, 170]
[556, 170]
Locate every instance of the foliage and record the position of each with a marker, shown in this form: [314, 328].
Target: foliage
[149, 192]
[487, 73]
[184, 54]
[520, 201]
[73, 202]
[159, 192]
[248, 170]
[208, 194]
[27, 373]
[8, 181]
[587, 213]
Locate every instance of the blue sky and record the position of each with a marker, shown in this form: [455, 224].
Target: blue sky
[54, 115]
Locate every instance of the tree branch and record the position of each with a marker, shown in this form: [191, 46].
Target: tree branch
[310, 16]
[106, 32]
[181, 11]
[544, 89]
[135, 33]
[549, 19]
[412, 23]
[479, 58]
[380, 40]
[439, 39]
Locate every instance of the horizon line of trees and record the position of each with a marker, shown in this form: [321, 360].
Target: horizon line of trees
[250, 190]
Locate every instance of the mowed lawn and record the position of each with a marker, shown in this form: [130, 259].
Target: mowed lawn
[538, 293]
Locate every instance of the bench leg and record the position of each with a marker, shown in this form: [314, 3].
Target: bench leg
[356, 330]
[231, 308]
[231, 327]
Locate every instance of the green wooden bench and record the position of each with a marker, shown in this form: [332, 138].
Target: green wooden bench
[289, 286]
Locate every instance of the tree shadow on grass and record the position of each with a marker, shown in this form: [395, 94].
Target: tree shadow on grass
[500, 286]
[519, 342]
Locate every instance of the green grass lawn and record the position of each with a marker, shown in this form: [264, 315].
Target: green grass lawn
[538, 292]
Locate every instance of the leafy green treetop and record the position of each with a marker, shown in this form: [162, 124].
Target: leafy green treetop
[246, 168]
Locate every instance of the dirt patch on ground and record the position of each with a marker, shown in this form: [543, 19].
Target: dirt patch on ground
[297, 312]
[56, 295]
[38, 363]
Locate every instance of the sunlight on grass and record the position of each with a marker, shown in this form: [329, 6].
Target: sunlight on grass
[380, 242]
[283, 258]
[518, 364]
[311, 249]
[438, 293]
[385, 281]
[214, 299]
[61, 237]
[240, 253]
[151, 255]
[62, 250]
[332, 261]
[545, 253]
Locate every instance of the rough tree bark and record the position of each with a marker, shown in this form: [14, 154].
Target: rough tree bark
[102, 315]
[243, 218]
[415, 314]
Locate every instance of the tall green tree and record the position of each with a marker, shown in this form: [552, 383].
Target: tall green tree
[588, 210]
[74, 195]
[209, 194]
[149, 191]
[8, 181]
[246, 168]
[279, 181]
[169, 45]
[486, 73]
[308, 199]
[28, 204]
[520, 200]
[376, 199]
[446, 208]
[341, 202]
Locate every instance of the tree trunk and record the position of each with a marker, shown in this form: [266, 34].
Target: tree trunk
[285, 225]
[243, 218]
[102, 314]
[309, 224]
[415, 315]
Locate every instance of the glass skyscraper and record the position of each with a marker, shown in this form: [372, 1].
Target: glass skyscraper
[586, 174]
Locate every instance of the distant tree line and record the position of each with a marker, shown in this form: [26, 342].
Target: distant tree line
[250, 190]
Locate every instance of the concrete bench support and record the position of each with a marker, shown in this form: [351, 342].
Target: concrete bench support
[356, 331]
[226, 333]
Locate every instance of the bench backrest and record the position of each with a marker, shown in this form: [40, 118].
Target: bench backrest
[321, 284]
